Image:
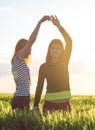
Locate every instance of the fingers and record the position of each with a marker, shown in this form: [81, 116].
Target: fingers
[56, 17]
[46, 17]
[52, 18]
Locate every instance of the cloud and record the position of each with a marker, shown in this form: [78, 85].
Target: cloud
[4, 9]
[77, 67]
[90, 69]
[5, 69]
[82, 68]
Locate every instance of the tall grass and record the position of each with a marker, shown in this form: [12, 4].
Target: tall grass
[82, 116]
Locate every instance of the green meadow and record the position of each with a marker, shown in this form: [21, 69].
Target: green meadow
[82, 116]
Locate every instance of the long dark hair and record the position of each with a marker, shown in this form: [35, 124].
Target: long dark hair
[20, 44]
[48, 56]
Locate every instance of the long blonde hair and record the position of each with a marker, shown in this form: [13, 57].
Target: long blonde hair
[20, 44]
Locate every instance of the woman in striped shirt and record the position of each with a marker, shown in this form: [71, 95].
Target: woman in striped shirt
[55, 71]
[20, 69]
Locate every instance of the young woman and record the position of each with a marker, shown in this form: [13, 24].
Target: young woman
[20, 69]
[55, 71]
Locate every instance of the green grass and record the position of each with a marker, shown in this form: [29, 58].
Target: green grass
[82, 116]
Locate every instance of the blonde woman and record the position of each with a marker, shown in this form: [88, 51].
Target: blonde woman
[20, 69]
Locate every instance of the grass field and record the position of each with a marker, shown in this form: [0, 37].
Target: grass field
[82, 116]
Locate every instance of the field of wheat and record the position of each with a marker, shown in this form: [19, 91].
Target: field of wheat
[82, 116]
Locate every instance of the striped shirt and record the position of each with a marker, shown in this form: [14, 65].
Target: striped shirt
[21, 75]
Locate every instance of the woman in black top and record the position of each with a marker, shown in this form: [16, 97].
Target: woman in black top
[55, 71]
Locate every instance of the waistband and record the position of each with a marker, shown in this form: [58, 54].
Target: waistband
[58, 95]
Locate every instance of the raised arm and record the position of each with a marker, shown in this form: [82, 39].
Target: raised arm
[67, 38]
[32, 38]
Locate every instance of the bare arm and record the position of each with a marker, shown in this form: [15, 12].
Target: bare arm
[32, 38]
[39, 88]
[65, 35]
